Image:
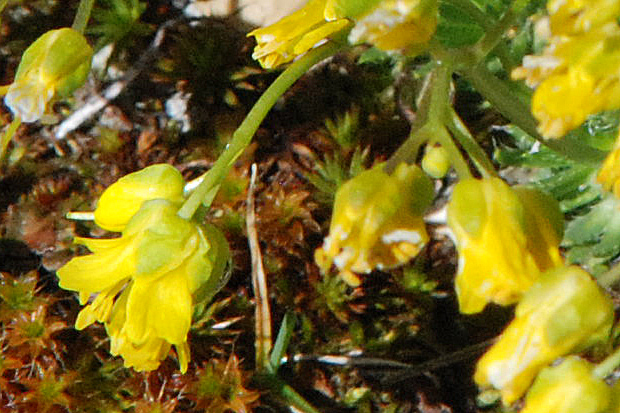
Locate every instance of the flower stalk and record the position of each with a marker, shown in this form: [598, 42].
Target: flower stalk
[498, 93]
[607, 366]
[429, 126]
[82, 15]
[205, 191]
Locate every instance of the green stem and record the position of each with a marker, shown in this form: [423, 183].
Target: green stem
[438, 111]
[429, 124]
[494, 34]
[607, 366]
[471, 146]
[244, 133]
[499, 94]
[485, 21]
[441, 135]
[285, 393]
[82, 15]
[408, 151]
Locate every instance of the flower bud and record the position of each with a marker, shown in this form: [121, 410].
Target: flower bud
[505, 238]
[377, 221]
[564, 311]
[436, 161]
[53, 66]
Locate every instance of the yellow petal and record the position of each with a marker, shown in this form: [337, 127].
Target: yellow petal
[121, 200]
[162, 307]
[96, 272]
[183, 356]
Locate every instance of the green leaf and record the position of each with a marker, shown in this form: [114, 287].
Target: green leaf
[456, 28]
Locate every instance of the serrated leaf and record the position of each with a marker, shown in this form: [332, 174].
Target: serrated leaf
[589, 228]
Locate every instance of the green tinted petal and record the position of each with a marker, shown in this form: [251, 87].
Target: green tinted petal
[166, 239]
[467, 208]
[207, 270]
[569, 387]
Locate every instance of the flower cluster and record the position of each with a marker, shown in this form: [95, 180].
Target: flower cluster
[580, 65]
[143, 284]
[564, 311]
[508, 245]
[377, 221]
[390, 25]
[52, 67]
[505, 237]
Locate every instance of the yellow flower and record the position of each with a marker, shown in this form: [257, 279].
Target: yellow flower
[505, 238]
[391, 24]
[377, 221]
[294, 35]
[398, 24]
[577, 73]
[53, 66]
[564, 311]
[146, 281]
[569, 387]
[579, 16]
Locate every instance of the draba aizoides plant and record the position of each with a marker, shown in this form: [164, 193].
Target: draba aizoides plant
[527, 200]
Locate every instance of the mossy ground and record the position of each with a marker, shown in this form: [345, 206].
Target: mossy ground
[407, 315]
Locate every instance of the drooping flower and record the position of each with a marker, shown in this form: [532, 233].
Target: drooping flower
[563, 312]
[377, 221]
[577, 73]
[145, 282]
[390, 25]
[570, 387]
[52, 67]
[505, 237]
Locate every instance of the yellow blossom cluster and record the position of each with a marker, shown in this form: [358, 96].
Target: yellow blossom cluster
[507, 240]
[577, 73]
[388, 24]
[564, 311]
[143, 284]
